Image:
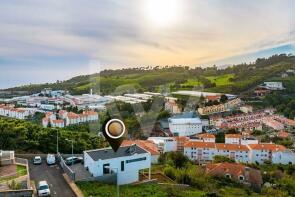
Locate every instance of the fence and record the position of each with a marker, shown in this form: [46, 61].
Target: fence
[66, 168]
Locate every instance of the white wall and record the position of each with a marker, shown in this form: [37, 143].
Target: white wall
[131, 170]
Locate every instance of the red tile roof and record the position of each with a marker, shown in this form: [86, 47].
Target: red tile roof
[233, 136]
[145, 144]
[196, 144]
[271, 147]
[206, 135]
[233, 147]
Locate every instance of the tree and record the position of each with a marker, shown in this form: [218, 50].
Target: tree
[222, 159]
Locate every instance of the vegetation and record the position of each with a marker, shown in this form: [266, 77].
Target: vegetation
[24, 136]
[233, 79]
[103, 190]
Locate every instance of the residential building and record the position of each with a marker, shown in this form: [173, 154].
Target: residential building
[228, 106]
[185, 124]
[203, 137]
[171, 105]
[58, 123]
[246, 109]
[164, 144]
[233, 138]
[148, 145]
[283, 134]
[126, 163]
[199, 151]
[212, 98]
[181, 140]
[273, 85]
[270, 152]
[236, 172]
[270, 122]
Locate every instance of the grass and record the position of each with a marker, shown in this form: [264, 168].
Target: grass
[221, 80]
[20, 171]
[146, 190]
[192, 82]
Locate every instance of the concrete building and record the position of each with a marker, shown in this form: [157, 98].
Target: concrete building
[185, 124]
[171, 105]
[203, 137]
[273, 85]
[164, 144]
[126, 163]
[233, 138]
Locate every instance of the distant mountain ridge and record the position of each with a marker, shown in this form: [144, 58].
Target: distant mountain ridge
[230, 79]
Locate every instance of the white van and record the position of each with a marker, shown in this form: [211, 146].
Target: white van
[50, 159]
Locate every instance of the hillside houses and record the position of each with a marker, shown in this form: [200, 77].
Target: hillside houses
[228, 106]
[252, 153]
[18, 113]
[68, 118]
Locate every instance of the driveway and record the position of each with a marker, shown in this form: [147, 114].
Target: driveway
[53, 175]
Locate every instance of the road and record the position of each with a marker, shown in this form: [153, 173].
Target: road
[53, 176]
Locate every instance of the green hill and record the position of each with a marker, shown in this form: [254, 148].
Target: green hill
[234, 79]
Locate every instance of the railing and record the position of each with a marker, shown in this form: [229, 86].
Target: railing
[66, 168]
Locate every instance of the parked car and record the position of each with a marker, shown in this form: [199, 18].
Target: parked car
[73, 160]
[37, 160]
[50, 159]
[43, 188]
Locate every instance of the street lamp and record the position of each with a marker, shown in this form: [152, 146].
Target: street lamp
[72, 141]
[117, 172]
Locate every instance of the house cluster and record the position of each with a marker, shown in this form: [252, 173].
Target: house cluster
[66, 118]
[202, 148]
[18, 113]
[252, 121]
[267, 87]
[240, 122]
[239, 148]
[229, 105]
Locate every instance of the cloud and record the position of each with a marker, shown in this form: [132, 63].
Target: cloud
[120, 33]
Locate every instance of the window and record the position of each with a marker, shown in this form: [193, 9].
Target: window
[122, 166]
[106, 168]
[241, 178]
[136, 160]
[228, 176]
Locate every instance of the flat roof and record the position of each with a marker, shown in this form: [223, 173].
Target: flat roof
[108, 153]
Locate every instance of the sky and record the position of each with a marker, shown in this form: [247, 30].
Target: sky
[45, 41]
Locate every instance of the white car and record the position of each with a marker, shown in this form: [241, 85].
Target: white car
[50, 159]
[43, 189]
[37, 160]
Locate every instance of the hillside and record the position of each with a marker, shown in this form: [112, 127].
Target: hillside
[234, 79]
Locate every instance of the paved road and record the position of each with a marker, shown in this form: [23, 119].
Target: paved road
[53, 175]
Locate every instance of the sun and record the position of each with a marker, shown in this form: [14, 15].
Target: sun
[162, 12]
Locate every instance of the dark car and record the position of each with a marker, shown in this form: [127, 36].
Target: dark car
[73, 160]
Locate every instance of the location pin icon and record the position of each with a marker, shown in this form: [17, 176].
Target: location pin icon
[114, 132]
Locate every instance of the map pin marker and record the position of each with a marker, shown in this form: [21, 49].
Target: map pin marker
[114, 132]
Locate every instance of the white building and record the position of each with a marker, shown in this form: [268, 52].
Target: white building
[126, 163]
[284, 157]
[186, 124]
[271, 152]
[171, 105]
[249, 140]
[164, 144]
[233, 138]
[205, 151]
[274, 85]
[203, 137]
